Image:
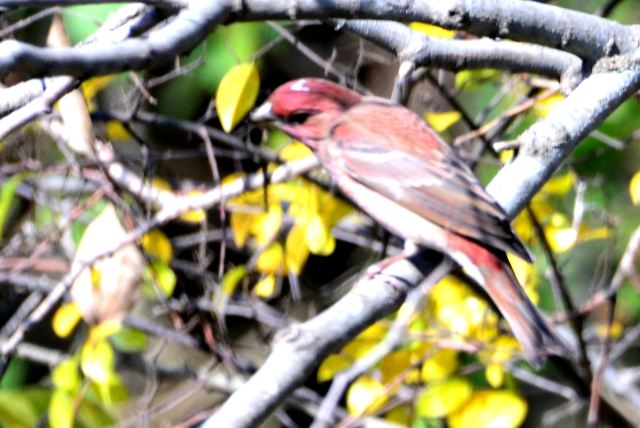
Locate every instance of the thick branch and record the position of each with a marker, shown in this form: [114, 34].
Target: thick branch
[456, 55]
[548, 142]
[161, 46]
[586, 35]
[164, 4]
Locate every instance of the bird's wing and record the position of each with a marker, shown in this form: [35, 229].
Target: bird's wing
[424, 176]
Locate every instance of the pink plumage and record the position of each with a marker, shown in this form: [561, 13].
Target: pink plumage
[398, 170]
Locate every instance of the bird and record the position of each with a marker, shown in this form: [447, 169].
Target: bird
[395, 168]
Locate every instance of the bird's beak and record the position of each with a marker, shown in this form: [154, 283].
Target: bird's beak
[263, 113]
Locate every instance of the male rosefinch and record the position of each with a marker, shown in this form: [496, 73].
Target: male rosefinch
[395, 168]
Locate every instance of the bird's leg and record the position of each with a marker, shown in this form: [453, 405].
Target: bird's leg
[410, 248]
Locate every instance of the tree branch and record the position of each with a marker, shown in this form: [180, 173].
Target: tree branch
[456, 55]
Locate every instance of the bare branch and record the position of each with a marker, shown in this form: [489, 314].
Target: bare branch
[585, 35]
[456, 55]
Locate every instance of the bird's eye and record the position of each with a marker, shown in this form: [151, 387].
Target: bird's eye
[299, 118]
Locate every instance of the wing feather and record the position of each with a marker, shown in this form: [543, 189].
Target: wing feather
[434, 184]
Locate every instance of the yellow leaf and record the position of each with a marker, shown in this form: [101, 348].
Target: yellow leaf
[527, 276]
[160, 184]
[449, 289]
[65, 319]
[104, 330]
[90, 88]
[297, 252]
[525, 272]
[400, 415]
[365, 341]
[432, 30]
[500, 350]
[442, 398]
[586, 234]
[506, 156]
[634, 188]
[61, 410]
[365, 396]
[267, 225]
[318, 237]
[443, 363]
[616, 330]
[394, 364]
[374, 333]
[271, 260]
[331, 208]
[237, 94]
[157, 245]
[560, 184]
[495, 375]
[561, 239]
[164, 277]
[266, 287]
[331, 366]
[545, 106]
[294, 151]
[495, 409]
[472, 79]
[443, 120]
[232, 278]
[241, 226]
[116, 131]
[97, 361]
[194, 216]
[66, 376]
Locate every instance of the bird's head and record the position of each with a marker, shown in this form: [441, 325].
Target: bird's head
[306, 108]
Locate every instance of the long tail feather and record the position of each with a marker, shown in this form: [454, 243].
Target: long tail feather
[528, 325]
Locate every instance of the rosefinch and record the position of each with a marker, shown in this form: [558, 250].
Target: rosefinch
[395, 168]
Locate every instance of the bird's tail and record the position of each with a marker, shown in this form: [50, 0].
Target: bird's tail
[528, 325]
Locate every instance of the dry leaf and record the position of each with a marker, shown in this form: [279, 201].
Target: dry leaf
[106, 290]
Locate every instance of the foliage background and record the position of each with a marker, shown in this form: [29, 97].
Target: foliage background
[213, 305]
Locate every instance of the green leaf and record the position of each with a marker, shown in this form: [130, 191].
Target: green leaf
[160, 274]
[7, 197]
[79, 226]
[232, 278]
[16, 374]
[22, 408]
[82, 21]
[227, 46]
[129, 340]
